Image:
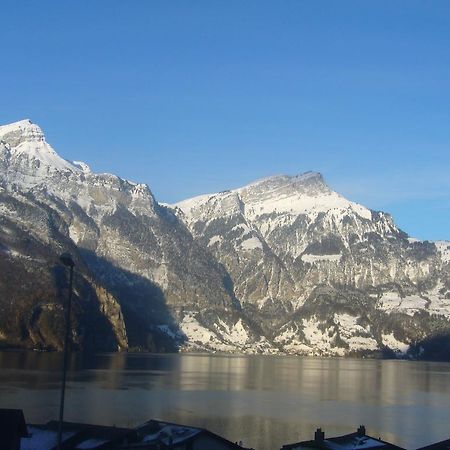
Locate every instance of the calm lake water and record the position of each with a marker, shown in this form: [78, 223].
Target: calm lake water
[266, 401]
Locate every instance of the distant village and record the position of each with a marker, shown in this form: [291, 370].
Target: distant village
[16, 434]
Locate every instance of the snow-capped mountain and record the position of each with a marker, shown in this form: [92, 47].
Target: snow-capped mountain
[137, 251]
[321, 274]
[284, 264]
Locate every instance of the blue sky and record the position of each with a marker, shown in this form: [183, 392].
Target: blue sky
[201, 96]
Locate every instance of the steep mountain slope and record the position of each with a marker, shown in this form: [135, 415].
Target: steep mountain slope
[133, 247]
[321, 274]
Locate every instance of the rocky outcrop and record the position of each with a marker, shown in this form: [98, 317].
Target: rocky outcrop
[139, 261]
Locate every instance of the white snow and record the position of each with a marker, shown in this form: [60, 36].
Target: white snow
[291, 341]
[439, 304]
[321, 340]
[24, 126]
[73, 233]
[315, 337]
[82, 166]
[236, 334]
[190, 204]
[27, 140]
[296, 204]
[316, 258]
[444, 249]
[410, 304]
[251, 243]
[42, 439]
[356, 336]
[280, 195]
[198, 334]
[389, 340]
[222, 337]
[356, 443]
[177, 434]
[215, 240]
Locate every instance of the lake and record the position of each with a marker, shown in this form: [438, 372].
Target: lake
[265, 401]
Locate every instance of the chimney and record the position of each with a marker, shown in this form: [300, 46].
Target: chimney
[361, 430]
[319, 435]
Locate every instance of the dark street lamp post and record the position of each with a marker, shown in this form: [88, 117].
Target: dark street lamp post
[66, 259]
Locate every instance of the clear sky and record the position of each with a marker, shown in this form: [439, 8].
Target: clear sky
[201, 96]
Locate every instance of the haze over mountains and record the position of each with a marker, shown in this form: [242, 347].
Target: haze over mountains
[283, 265]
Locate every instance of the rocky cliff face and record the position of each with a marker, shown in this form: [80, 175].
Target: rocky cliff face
[281, 265]
[320, 274]
[133, 253]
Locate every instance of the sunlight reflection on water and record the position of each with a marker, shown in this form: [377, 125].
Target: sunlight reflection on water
[265, 401]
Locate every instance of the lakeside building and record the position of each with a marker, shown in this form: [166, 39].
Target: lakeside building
[152, 435]
[355, 441]
[15, 434]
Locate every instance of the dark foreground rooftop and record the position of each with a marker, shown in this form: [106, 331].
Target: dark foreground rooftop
[12, 428]
[443, 445]
[355, 441]
[152, 435]
[159, 435]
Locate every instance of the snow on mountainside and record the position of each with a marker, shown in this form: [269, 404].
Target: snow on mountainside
[130, 244]
[26, 142]
[284, 264]
[444, 249]
[298, 253]
[28, 162]
[301, 194]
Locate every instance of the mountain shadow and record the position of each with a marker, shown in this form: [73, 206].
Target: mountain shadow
[149, 321]
[432, 348]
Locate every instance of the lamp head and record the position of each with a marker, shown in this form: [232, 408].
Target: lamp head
[66, 259]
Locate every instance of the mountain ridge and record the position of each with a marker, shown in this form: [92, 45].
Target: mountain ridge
[281, 265]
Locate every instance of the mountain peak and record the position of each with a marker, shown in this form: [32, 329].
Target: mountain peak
[23, 130]
[26, 145]
[310, 175]
[306, 178]
[308, 183]
[306, 193]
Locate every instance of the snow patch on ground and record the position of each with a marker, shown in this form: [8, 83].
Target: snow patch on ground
[309, 258]
[73, 233]
[389, 340]
[215, 240]
[28, 141]
[235, 334]
[198, 334]
[393, 302]
[251, 243]
[82, 166]
[444, 249]
[291, 341]
[356, 336]
[222, 337]
[439, 304]
[321, 340]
